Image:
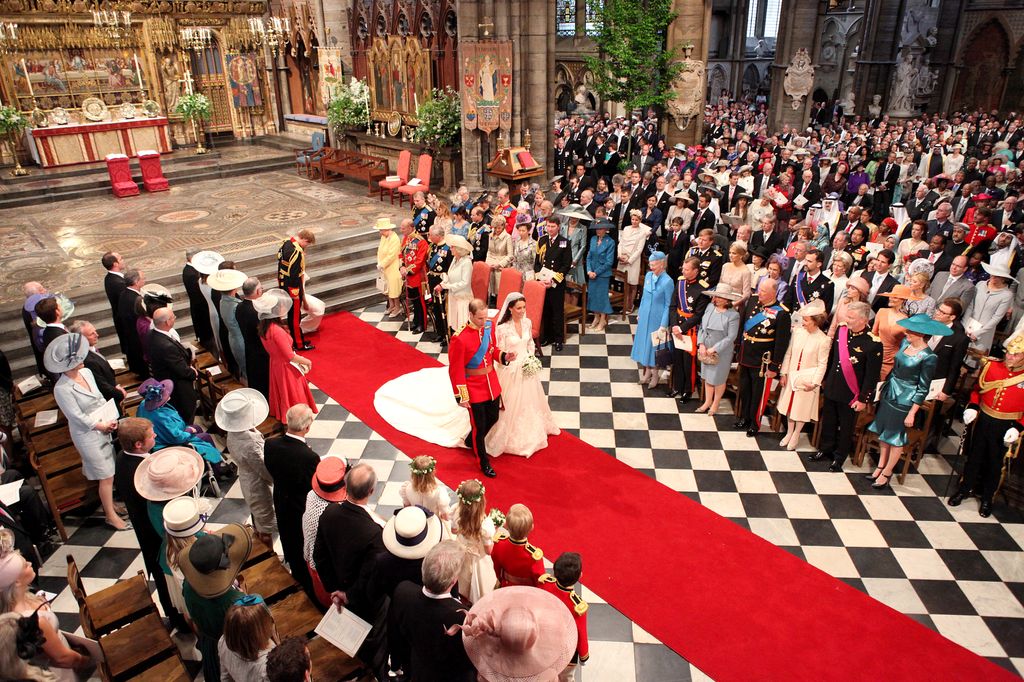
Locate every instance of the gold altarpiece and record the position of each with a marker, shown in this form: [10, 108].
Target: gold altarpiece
[399, 78]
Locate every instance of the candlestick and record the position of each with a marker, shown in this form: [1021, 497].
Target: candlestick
[416, 100]
[27, 79]
[138, 70]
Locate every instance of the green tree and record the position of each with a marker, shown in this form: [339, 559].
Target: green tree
[633, 66]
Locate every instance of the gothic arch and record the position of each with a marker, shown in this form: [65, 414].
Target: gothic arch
[751, 80]
[718, 80]
[981, 80]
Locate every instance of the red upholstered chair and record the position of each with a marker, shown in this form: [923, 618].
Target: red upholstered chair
[423, 168]
[121, 176]
[389, 186]
[511, 280]
[534, 292]
[481, 276]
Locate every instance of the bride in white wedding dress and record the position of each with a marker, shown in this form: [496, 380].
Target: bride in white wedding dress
[423, 404]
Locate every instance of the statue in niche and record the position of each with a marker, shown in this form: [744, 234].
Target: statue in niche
[171, 78]
[584, 100]
[875, 108]
[902, 98]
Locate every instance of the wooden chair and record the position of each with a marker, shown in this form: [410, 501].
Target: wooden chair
[511, 281]
[481, 279]
[423, 168]
[110, 608]
[271, 578]
[534, 292]
[137, 648]
[306, 158]
[65, 486]
[295, 615]
[861, 435]
[389, 186]
[171, 669]
[574, 312]
[917, 438]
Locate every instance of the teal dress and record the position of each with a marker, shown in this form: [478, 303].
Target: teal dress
[170, 429]
[578, 245]
[907, 385]
[653, 315]
[600, 261]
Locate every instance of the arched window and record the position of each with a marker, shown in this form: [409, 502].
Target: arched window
[577, 18]
[565, 17]
[762, 27]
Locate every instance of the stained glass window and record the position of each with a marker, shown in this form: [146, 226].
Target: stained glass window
[593, 20]
[565, 17]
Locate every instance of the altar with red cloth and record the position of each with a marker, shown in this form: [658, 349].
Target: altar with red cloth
[66, 145]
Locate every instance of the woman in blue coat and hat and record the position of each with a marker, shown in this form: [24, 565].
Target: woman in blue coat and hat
[600, 265]
[653, 317]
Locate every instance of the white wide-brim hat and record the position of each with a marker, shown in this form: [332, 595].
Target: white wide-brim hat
[182, 517]
[65, 352]
[458, 242]
[226, 280]
[994, 270]
[411, 533]
[154, 289]
[273, 304]
[240, 410]
[207, 262]
[168, 473]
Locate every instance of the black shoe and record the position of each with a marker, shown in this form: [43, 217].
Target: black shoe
[741, 424]
[417, 330]
[683, 397]
[307, 346]
[675, 394]
[444, 346]
[819, 455]
[836, 467]
[985, 509]
[544, 342]
[955, 499]
[558, 346]
[752, 431]
[880, 486]
[488, 470]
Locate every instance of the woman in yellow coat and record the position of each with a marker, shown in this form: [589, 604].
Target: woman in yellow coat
[387, 265]
[802, 372]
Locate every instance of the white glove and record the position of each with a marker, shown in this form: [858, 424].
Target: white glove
[1011, 436]
[970, 415]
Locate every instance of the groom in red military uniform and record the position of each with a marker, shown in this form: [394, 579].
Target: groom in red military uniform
[471, 357]
[999, 395]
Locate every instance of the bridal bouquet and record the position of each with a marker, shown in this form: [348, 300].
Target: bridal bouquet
[497, 517]
[531, 365]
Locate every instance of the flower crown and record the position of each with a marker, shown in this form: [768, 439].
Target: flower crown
[470, 499]
[425, 471]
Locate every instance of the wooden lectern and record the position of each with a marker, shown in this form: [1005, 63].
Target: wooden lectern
[513, 165]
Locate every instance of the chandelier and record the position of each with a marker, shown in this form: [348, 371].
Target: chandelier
[196, 39]
[115, 23]
[272, 32]
[8, 37]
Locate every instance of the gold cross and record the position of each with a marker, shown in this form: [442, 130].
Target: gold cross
[187, 80]
[487, 26]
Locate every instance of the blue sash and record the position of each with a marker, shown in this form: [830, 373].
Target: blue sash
[420, 216]
[800, 295]
[437, 255]
[682, 296]
[760, 317]
[485, 342]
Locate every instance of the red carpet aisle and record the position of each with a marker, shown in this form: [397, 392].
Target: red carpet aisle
[729, 602]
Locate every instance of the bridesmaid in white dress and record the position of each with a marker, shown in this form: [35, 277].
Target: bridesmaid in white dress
[474, 530]
[526, 421]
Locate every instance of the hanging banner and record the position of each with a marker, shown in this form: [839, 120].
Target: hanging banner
[244, 75]
[330, 72]
[487, 85]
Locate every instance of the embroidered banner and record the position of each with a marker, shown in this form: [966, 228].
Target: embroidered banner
[330, 72]
[487, 85]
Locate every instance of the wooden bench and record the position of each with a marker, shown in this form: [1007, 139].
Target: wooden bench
[136, 649]
[330, 662]
[64, 483]
[270, 578]
[344, 163]
[113, 607]
[294, 615]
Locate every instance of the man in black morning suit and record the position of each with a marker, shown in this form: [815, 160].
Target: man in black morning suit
[292, 464]
[860, 352]
[172, 360]
[106, 378]
[198, 308]
[114, 286]
[128, 311]
[257, 361]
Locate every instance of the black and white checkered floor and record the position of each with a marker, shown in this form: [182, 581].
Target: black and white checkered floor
[948, 568]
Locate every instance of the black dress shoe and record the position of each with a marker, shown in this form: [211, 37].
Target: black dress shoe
[955, 499]
[558, 346]
[544, 342]
[417, 330]
[488, 470]
[683, 397]
[818, 456]
[836, 467]
[985, 509]
[674, 394]
[752, 431]
[307, 346]
[741, 424]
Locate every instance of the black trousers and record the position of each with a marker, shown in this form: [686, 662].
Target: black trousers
[436, 308]
[294, 317]
[985, 450]
[751, 388]
[684, 371]
[838, 420]
[482, 417]
[553, 318]
[418, 307]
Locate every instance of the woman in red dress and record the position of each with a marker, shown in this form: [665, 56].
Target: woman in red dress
[288, 384]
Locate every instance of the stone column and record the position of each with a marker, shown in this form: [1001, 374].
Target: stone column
[693, 25]
[796, 31]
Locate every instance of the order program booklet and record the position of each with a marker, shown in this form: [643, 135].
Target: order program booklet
[343, 629]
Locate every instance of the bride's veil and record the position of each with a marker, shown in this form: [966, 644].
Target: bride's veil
[509, 302]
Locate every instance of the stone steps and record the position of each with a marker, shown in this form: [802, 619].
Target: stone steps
[342, 274]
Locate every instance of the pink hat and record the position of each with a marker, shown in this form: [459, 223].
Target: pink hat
[168, 473]
[519, 634]
[860, 284]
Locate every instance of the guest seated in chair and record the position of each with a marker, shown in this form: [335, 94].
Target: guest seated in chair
[171, 429]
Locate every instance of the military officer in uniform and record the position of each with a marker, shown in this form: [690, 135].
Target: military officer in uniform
[710, 256]
[471, 359]
[567, 570]
[439, 257]
[684, 316]
[291, 276]
[854, 365]
[553, 262]
[766, 330]
[422, 215]
[811, 285]
[412, 257]
[999, 397]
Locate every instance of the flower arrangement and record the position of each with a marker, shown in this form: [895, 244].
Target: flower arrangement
[532, 365]
[425, 471]
[350, 105]
[497, 517]
[440, 119]
[470, 499]
[194, 107]
[12, 121]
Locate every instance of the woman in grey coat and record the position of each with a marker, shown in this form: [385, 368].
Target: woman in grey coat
[79, 399]
[228, 282]
[717, 337]
[239, 413]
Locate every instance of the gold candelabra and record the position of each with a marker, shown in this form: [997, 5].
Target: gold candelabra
[196, 39]
[163, 35]
[8, 37]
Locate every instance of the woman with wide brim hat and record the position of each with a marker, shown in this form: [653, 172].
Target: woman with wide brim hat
[519, 634]
[228, 282]
[78, 396]
[169, 427]
[288, 383]
[206, 263]
[904, 393]
[388, 265]
[803, 371]
[210, 566]
[458, 281]
[239, 413]
[886, 328]
[715, 335]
